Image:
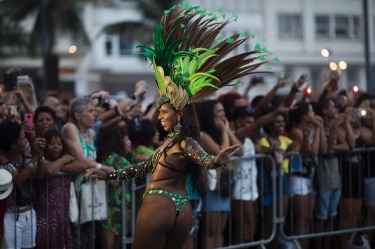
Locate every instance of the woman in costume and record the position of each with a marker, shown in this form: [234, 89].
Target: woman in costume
[189, 64]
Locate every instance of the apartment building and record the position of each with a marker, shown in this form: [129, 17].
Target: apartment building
[294, 30]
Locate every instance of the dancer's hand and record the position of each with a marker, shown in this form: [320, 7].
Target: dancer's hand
[224, 155]
[96, 173]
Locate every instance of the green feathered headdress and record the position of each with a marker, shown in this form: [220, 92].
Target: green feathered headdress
[188, 59]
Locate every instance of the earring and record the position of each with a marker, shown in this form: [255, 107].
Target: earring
[178, 126]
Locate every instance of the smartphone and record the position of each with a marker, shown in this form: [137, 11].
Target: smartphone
[10, 81]
[28, 117]
[13, 110]
[22, 79]
[137, 125]
[333, 84]
[360, 112]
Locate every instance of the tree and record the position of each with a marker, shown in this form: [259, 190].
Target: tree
[12, 37]
[53, 18]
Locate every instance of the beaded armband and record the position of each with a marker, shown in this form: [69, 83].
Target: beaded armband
[139, 170]
[196, 153]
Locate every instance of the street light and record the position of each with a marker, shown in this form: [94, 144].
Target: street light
[342, 65]
[325, 52]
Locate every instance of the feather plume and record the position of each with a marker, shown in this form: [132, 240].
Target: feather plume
[186, 47]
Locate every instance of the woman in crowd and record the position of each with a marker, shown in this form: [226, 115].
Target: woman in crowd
[20, 218]
[308, 131]
[278, 145]
[79, 138]
[215, 135]
[52, 194]
[44, 119]
[352, 172]
[244, 204]
[145, 138]
[367, 130]
[115, 151]
[186, 69]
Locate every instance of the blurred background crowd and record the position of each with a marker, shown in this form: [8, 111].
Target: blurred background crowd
[74, 96]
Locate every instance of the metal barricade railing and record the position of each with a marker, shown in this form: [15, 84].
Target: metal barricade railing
[265, 164]
[280, 227]
[334, 230]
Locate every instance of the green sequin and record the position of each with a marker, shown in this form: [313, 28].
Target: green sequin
[178, 200]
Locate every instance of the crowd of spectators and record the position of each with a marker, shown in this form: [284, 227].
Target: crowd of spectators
[314, 139]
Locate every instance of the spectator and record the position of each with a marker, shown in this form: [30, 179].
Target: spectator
[244, 209]
[352, 172]
[114, 152]
[367, 102]
[44, 120]
[79, 138]
[278, 145]
[307, 129]
[328, 175]
[55, 104]
[215, 134]
[52, 199]
[20, 218]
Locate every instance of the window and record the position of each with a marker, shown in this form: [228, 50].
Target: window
[357, 27]
[322, 26]
[126, 42]
[290, 26]
[108, 45]
[342, 26]
[338, 26]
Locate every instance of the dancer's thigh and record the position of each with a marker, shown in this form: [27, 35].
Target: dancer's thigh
[177, 236]
[155, 219]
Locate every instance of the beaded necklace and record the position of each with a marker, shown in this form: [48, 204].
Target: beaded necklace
[174, 133]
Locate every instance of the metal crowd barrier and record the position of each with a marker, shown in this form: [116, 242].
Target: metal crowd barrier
[262, 238]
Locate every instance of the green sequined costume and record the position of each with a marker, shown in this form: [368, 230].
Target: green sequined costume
[113, 223]
[172, 161]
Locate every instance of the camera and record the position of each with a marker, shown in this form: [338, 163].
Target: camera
[13, 78]
[22, 79]
[104, 103]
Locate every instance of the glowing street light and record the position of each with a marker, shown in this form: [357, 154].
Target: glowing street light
[343, 65]
[324, 52]
[333, 66]
[72, 49]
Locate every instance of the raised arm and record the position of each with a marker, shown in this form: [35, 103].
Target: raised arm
[196, 153]
[73, 143]
[288, 100]
[139, 170]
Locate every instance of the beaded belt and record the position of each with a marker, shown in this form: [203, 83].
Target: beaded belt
[178, 200]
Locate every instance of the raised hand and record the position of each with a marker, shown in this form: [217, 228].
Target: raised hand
[37, 146]
[224, 155]
[283, 82]
[96, 173]
[302, 80]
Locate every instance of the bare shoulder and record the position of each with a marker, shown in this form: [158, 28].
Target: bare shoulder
[68, 126]
[68, 129]
[296, 134]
